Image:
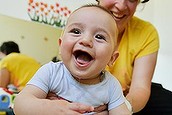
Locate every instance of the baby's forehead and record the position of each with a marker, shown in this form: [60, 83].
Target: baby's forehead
[92, 8]
[90, 13]
[101, 16]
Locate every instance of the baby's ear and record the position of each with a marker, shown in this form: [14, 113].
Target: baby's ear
[113, 58]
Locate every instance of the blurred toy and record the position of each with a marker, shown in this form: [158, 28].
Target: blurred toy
[6, 98]
[12, 88]
[4, 101]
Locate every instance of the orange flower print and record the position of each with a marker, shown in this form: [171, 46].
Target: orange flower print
[51, 14]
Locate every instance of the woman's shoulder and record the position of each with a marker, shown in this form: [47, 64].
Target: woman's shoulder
[137, 27]
[137, 22]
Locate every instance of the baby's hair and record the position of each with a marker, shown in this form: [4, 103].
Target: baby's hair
[98, 6]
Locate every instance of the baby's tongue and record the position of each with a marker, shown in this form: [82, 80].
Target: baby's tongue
[83, 59]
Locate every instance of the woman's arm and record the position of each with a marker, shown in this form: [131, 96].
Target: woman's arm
[31, 101]
[140, 88]
[4, 78]
[120, 110]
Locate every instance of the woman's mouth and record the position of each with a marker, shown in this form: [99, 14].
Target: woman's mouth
[118, 16]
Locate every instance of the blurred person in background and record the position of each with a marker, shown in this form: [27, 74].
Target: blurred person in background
[16, 69]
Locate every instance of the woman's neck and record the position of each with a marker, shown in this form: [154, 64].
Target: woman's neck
[120, 37]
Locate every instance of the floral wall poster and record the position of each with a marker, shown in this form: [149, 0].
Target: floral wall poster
[19, 8]
[52, 14]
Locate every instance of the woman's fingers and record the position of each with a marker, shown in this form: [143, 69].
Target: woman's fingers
[81, 108]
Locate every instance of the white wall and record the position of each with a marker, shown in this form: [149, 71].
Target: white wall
[157, 12]
[163, 22]
[34, 39]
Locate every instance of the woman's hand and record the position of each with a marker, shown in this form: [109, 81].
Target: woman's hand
[101, 110]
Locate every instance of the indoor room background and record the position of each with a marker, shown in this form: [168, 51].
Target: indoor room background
[41, 40]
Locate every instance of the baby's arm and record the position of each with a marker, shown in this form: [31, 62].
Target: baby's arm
[31, 101]
[120, 110]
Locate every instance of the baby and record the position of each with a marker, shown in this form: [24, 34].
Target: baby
[87, 45]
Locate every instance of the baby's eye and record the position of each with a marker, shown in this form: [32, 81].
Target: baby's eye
[100, 37]
[75, 31]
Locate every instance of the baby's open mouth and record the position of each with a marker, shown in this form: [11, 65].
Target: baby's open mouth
[82, 57]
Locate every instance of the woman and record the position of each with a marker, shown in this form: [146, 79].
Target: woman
[16, 69]
[138, 41]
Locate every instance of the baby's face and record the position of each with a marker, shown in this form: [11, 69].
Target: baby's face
[88, 42]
